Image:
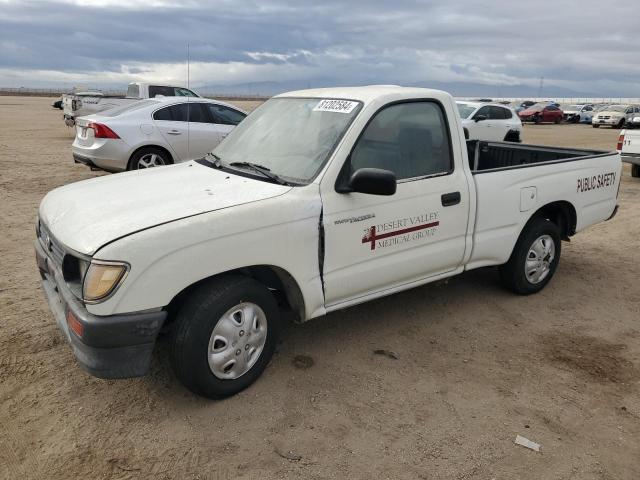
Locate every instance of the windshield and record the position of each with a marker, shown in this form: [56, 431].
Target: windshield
[466, 109]
[566, 107]
[617, 108]
[292, 137]
[184, 92]
[133, 90]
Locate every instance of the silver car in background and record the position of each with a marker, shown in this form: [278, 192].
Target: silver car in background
[153, 132]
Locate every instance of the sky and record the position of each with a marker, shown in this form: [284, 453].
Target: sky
[501, 46]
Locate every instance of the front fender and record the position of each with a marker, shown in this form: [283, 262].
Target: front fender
[166, 259]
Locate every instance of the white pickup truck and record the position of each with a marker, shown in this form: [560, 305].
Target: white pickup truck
[319, 200]
[80, 105]
[629, 148]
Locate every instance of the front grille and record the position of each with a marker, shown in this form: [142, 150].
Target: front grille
[50, 245]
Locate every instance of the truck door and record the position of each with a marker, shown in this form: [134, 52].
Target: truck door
[375, 243]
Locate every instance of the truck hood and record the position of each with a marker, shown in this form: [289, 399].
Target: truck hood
[86, 215]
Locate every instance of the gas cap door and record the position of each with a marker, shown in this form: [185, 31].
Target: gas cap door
[146, 129]
[528, 198]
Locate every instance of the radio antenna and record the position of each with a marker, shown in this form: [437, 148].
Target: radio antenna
[188, 98]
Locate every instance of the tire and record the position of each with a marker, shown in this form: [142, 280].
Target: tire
[214, 314]
[151, 156]
[621, 123]
[514, 275]
[595, 125]
[537, 120]
[512, 136]
[557, 120]
[635, 171]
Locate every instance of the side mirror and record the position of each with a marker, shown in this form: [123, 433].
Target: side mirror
[480, 118]
[373, 181]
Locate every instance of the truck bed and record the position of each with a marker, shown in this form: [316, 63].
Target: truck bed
[508, 192]
[491, 156]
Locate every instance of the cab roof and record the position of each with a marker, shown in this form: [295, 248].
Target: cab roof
[368, 94]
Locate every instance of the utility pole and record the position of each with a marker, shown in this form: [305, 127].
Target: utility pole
[541, 87]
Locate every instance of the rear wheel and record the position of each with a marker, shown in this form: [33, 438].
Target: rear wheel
[558, 120]
[224, 336]
[635, 171]
[512, 136]
[534, 259]
[148, 157]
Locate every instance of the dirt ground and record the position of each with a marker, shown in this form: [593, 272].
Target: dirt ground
[475, 365]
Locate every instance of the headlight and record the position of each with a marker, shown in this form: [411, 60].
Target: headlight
[102, 279]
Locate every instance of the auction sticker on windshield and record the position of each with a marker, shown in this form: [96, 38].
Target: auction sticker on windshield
[338, 106]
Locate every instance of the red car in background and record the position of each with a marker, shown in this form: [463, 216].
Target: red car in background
[541, 113]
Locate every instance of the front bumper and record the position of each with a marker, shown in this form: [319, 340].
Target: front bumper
[606, 121]
[114, 346]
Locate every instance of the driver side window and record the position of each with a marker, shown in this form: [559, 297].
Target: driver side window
[409, 139]
[483, 112]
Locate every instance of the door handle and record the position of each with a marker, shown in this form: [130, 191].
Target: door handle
[449, 199]
[174, 132]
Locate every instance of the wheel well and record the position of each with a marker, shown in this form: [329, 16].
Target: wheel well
[279, 281]
[512, 136]
[563, 214]
[149, 146]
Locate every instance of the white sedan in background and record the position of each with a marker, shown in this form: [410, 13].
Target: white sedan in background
[489, 122]
[154, 132]
[577, 113]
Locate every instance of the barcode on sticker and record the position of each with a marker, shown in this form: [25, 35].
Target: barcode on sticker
[338, 106]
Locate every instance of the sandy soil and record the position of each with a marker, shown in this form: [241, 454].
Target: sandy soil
[476, 365]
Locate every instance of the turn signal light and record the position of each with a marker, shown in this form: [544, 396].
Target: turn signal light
[74, 324]
[102, 131]
[102, 279]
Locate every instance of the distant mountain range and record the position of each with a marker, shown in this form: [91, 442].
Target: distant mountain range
[458, 89]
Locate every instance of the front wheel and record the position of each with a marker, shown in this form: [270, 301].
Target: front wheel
[224, 336]
[534, 259]
[635, 171]
[621, 123]
[595, 125]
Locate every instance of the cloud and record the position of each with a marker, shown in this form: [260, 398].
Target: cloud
[501, 43]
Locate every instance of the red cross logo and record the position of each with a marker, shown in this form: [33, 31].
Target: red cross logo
[371, 236]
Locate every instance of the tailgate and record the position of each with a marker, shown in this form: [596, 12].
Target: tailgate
[67, 105]
[631, 142]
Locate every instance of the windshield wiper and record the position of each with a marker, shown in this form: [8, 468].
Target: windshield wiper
[217, 161]
[265, 171]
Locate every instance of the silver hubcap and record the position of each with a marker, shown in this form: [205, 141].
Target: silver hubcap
[237, 341]
[539, 259]
[150, 160]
